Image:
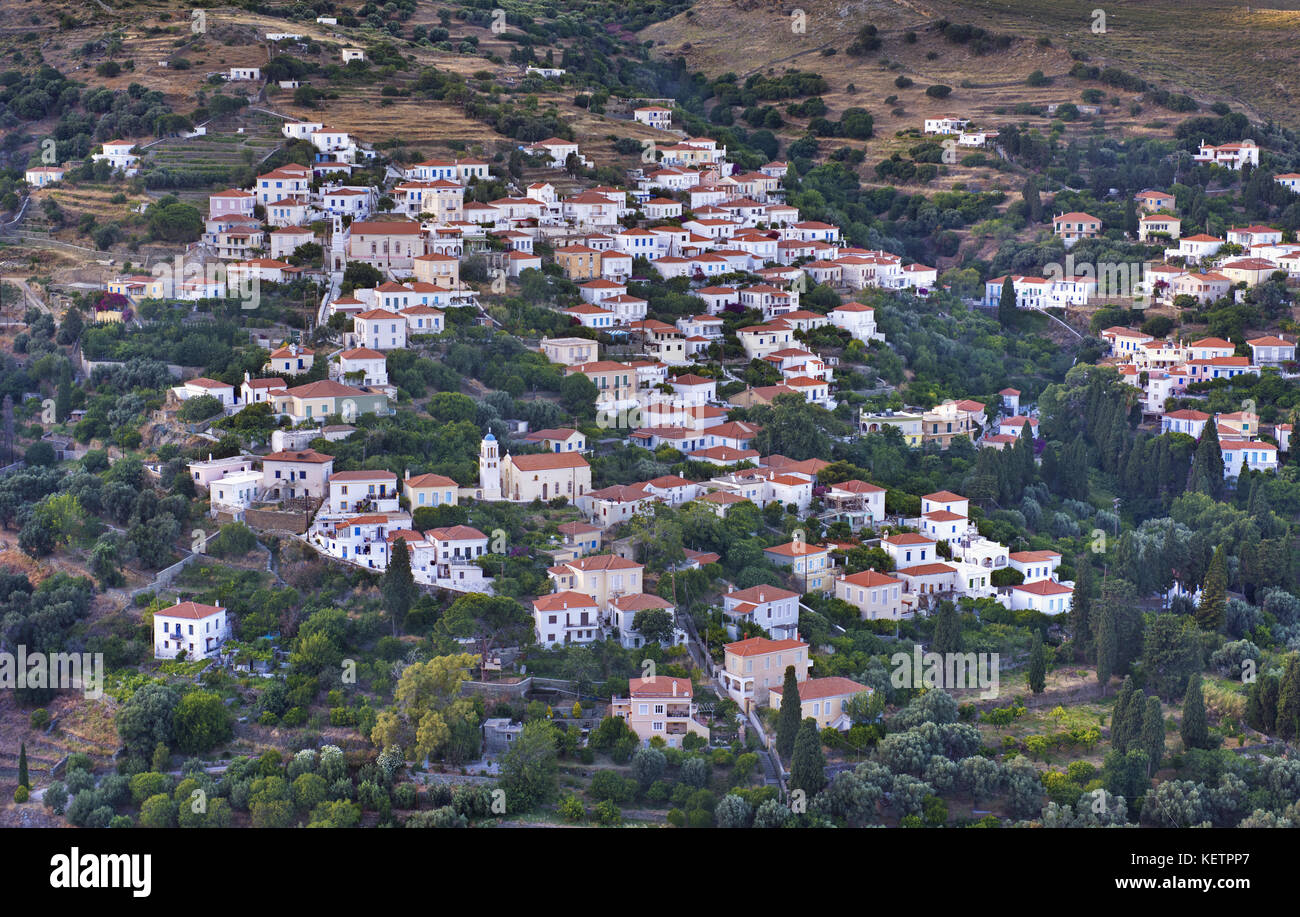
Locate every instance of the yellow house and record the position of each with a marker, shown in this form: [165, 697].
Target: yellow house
[580, 262]
[137, 287]
[822, 699]
[604, 577]
[753, 667]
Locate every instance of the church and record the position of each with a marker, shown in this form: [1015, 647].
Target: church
[524, 478]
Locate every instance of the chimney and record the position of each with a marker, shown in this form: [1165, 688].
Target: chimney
[674, 687]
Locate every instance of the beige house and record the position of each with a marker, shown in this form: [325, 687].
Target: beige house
[570, 351]
[614, 381]
[525, 478]
[662, 707]
[1158, 224]
[753, 667]
[952, 418]
[604, 577]
[824, 700]
[318, 400]
[296, 473]
[1204, 288]
[393, 244]
[1073, 226]
[873, 594]
[1250, 271]
[440, 270]
[429, 490]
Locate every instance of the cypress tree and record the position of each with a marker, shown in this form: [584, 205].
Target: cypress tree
[1130, 217]
[22, 766]
[1255, 709]
[1007, 304]
[808, 765]
[1119, 718]
[1022, 455]
[1033, 203]
[947, 630]
[1037, 665]
[1134, 711]
[398, 587]
[1288, 701]
[1268, 700]
[1207, 463]
[1116, 441]
[1214, 592]
[1107, 645]
[787, 724]
[63, 398]
[1153, 734]
[1194, 728]
[1081, 609]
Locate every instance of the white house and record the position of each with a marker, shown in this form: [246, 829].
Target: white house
[363, 366]
[379, 329]
[566, 617]
[353, 491]
[774, 609]
[654, 116]
[235, 492]
[1241, 455]
[196, 630]
[41, 176]
[1046, 596]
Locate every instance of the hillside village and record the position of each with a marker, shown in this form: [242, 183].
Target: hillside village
[618, 473]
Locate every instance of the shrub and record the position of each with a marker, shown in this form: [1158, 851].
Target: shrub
[21, 794]
[608, 814]
[571, 809]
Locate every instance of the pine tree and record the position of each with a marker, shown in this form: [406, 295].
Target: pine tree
[1288, 701]
[1007, 304]
[787, 725]
[1214, 592]
[1037, 665]
[398, 586]
[947, 630]
[1153, 734]
[1194, 728]
[22, 766]
[808, 764]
